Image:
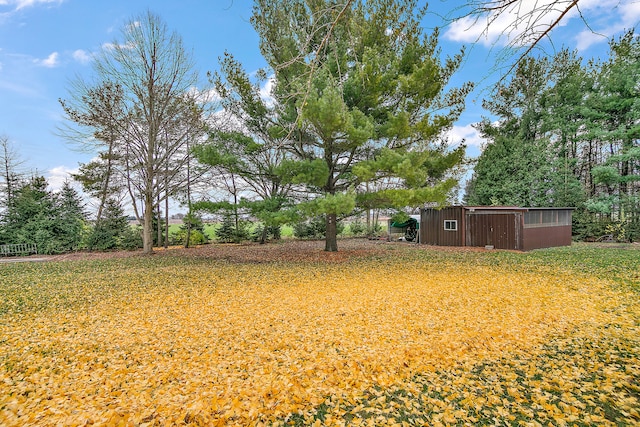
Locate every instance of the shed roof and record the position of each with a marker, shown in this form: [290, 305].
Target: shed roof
[494, 208]
[506, 208]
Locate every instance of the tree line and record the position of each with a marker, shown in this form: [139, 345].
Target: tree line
[355, 121]
[565, 133]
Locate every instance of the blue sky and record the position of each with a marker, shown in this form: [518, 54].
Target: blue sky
[45, 43]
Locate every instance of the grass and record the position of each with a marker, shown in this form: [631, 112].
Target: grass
[210, 230]
[383, 334]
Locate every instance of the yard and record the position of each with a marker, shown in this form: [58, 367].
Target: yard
[286, 334]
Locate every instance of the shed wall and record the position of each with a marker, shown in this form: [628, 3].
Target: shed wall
[547, 237]
[432, 230]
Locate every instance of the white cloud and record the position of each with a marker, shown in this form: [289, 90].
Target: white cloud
[204, 96]
[223, 119]
[113, 46]
[588, 38]
[57, 176]
[266, 89]
[109, 46]
[468, 133]
[21, 4]
[606, 18]
[81, 56]
[133, 26]
[50, 62]
[21, 89]
[469, 30]
[615, 16]
[630, 12]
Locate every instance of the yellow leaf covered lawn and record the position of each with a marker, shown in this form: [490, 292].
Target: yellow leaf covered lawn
[392, 336]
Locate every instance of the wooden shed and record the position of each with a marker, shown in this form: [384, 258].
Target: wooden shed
[500, 227]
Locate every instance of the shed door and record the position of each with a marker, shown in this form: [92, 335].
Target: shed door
[499, 230]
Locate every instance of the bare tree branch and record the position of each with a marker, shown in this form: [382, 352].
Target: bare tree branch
[526, 22]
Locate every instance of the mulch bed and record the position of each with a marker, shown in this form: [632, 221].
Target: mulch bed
[285, 250]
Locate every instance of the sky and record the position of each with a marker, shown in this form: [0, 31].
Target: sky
[45, 44]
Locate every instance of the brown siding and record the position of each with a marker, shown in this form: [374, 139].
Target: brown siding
[503, 227]
[547, 237]
[502, 230]
[432, 230]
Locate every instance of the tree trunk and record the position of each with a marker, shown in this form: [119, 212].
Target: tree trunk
[8, 178]
[105, 184]
[188, 238]
[159, 214]
[331, 239]
[147, 229]
[235, 208]
[166, 220]
[166, 196]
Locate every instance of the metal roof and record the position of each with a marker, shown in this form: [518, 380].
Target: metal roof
[505, 208]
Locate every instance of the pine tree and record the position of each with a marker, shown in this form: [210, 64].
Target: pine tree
[228, 233]
[109, 231]
[31, 217]
[524, 164]
[71, 218]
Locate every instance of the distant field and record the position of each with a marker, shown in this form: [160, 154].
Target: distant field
[286, 334]
[210, 230]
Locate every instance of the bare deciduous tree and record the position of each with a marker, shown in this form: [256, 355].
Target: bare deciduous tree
[159, 108]
[11, 163]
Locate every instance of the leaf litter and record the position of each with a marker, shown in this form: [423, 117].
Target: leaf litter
[378, 335]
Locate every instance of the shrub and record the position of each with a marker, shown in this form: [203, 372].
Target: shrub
[374, 230]
[197, 235]
[262, 234]
[101, 239]
[588, 226]
[131, 239]
[357, 227]
[228, 233]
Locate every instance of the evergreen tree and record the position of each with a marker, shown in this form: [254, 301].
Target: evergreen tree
[109, 231]
[98, 180]
[54, 222]
[31, 217]
[70, 218]
[228, 232]
[567, 135]
[616, 100]
[525, 163]
[248, 148]
[191, 231]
